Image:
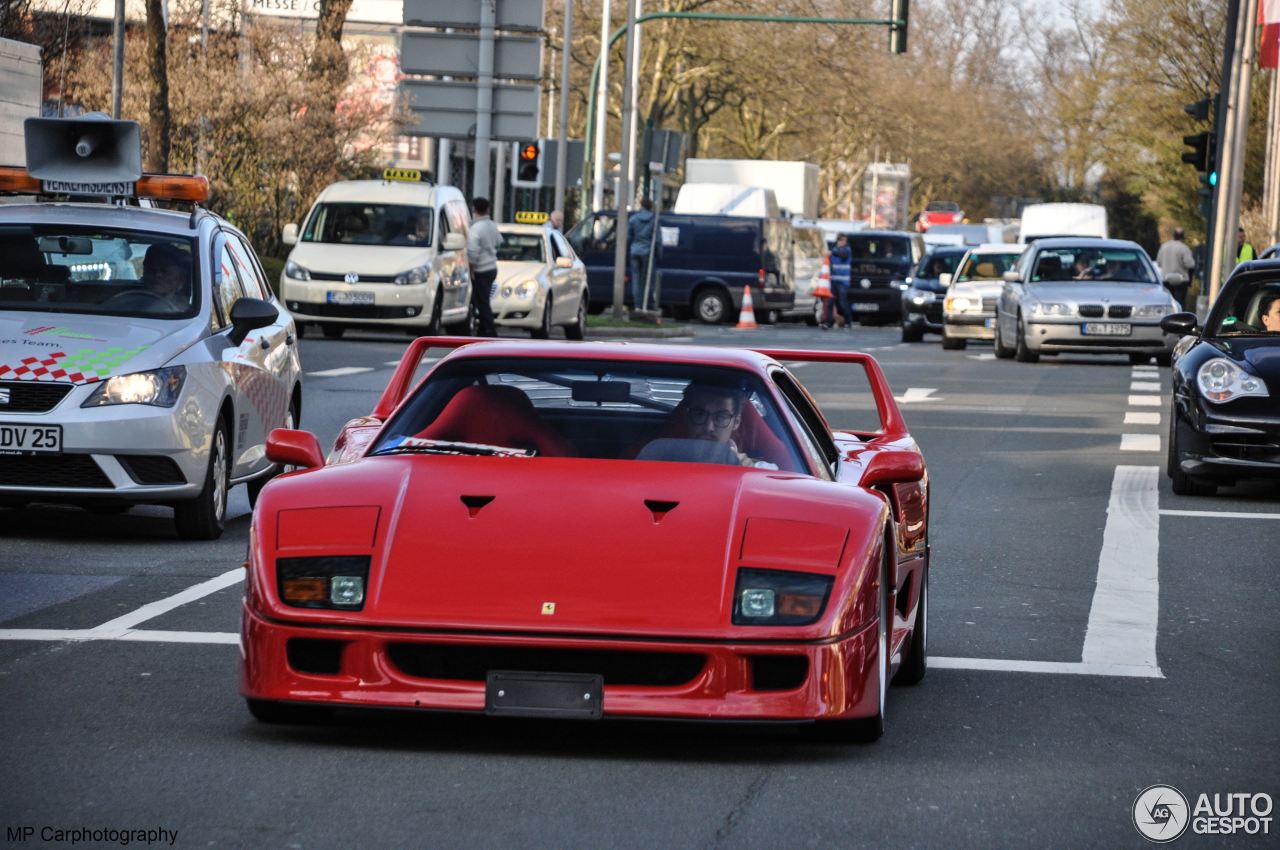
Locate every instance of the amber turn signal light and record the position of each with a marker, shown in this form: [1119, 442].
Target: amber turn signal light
[295, 590]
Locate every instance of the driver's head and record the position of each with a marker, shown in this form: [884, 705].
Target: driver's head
[712, 412]
[1269, 312]
[166, 270]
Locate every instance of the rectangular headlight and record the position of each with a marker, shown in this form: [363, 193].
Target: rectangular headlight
[779, 598]
[328, 581]
[159, 388]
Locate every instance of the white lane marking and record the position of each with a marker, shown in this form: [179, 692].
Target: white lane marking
[1139, 442]
[116, 627]
[1144, 401]
[340, 372]
[1003, 665]
[1125, 613]
[1141, 417]
[914, 395]
[146, 635]
[1144, 387]
[46, 634]
[1223, 514]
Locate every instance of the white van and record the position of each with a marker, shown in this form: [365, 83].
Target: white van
[1040, 221]
[381, 253]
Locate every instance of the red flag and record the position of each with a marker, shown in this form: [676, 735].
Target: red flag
[1269, 25]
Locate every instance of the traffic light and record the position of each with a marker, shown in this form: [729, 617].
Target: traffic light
[899, 10]
[528, 165]
[1199, 153]
[1204, 146]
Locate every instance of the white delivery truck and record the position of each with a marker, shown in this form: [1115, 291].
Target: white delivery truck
[1040, 221]
[19, 97]
[794, 183]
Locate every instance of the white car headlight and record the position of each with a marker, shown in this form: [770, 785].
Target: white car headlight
[1050, 308]
[525, 289]
[160, 388]
[1152, 311]
[1220, 381]
[414, 276]
[957, 304]
[295, 271]
[920, 298]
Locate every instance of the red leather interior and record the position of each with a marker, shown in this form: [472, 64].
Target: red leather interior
[496, 416]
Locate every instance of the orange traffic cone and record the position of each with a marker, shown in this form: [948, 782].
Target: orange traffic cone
[747, 316]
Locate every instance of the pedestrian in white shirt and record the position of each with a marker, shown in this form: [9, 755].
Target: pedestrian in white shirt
[1175, 257]
[482, 253]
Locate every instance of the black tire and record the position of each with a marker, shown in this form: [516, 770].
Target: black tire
[300, 328]
[255, 486]
[1002, 352]
[468, 326]
[333, 331]
[951, 343]
[916, 662]
[1020, 351]
[1183, 484]
[543, 330]
[910, 334]
[768, 317]
[865, 730]
[815, 315]
[205, 516]
[712, 306]
[578, 330]
[270, 711]
[1139, 359]
[437, 309]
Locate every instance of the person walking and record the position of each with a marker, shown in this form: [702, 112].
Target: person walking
[640, 240]
[1175, 257]
[1244, 249]
[841, 264]
[482, 253]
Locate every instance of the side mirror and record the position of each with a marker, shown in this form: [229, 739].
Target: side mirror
[249, 314]
[1175, 278]
[288, 447]
[290, 234]
[1179, 324]
[564, 263]
[892, 467]
[454, 242]
[945, 279]
[1011, 276]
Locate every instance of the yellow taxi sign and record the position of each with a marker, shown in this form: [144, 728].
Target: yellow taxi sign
[530, 217]
[408, 175]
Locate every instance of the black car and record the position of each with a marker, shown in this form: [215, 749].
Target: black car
[1225, 421]
[881, 263]
[923, 297]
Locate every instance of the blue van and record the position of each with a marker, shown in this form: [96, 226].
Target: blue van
[700, 264]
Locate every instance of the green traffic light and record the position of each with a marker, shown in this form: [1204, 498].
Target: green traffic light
[1213, 178]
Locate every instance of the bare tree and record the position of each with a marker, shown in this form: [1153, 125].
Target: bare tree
[158, 117]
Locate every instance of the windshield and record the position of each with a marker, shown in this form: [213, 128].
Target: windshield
[521, 248]
[895, 249]
[937, 264]
[1118, 264]
[985, 266]
[65, 269]
[369, 224]
[1251, 307]
[942, 206]
[529, 408]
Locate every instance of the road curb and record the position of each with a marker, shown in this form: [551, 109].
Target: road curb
[654, 332]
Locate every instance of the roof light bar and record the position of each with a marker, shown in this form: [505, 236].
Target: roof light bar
[164, 187]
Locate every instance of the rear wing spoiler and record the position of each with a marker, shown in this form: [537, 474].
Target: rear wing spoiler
[402, 379]
[892, 425]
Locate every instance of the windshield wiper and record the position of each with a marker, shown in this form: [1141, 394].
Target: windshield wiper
[418, 445]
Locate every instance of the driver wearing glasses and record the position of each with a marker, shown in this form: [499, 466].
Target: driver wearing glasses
[715, 413]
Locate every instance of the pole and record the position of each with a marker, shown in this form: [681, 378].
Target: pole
[117, 77]
[1216, 250]
[500, 178]
[624, 184]
[1273, 145]
[204, 72]
[562, 149]
[633, 103]
[601, 95]
[484, 98]
[1240, 132]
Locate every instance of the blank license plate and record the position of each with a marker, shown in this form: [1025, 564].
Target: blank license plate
[350, 298]
[30, 439]
[865, 307]
[1107, 329]
[527, 694]
[989, 323]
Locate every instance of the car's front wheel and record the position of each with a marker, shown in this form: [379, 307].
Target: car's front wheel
[952, 343]
[917, 661]
[468, 326]
[205, 516]
[543, 330]
[1002, 351]
[578, 330]
[711, 306]
[1021, 352]
[910, 333]
[1182, 484]
[437, 309]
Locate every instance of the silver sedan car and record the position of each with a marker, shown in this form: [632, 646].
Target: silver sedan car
[1086, 296]
[969, 308]
[143, 359]
[541, 283]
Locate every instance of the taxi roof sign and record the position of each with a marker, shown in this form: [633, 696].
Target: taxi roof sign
[531, 217]
[405, 175]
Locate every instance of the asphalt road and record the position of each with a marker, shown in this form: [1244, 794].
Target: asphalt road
[1056, 694]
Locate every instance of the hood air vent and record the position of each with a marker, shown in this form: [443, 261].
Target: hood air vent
[660, 508]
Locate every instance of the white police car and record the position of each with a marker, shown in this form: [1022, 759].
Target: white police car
[143, 357]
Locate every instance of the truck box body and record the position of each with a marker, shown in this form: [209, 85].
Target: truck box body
[1040, 221]
[794, 183]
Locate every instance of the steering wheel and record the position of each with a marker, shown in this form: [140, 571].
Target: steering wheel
[131, 293]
